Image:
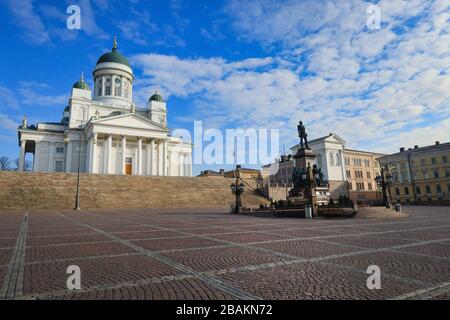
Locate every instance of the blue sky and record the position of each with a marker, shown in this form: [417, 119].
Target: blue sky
[242, 64]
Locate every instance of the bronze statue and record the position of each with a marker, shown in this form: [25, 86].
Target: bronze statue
[302, 135]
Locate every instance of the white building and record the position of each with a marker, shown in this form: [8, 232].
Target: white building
[114, 135]
[329, 151]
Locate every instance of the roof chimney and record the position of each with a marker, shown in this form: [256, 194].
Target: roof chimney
[437, 143]
[416, 147]
[402, 149]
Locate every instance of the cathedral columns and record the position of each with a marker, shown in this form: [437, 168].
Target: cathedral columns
[139, 156]
[23, 142]
[124, 153]
[150, 148]
[108, 154]
[181, 164]
[69, 156]
[164, 163]
[93, 162]
[160, 158]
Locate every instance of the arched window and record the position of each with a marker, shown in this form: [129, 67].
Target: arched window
[331, 159]
[338, 160]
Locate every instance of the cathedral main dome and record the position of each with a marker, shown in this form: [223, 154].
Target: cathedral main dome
[114, 56]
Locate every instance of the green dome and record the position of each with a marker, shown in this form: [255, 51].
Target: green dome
[80, 84]
[156, 97]
[114, 56]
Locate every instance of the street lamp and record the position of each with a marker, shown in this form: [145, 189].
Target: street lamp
[77, 199]
[237, 188]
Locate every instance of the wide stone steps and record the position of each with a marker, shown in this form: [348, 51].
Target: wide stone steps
[23, 190]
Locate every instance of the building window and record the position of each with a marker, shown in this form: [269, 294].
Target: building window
[425, 175]
[438, 188]
[347, 161]
[444, 159]
[417, 189]
[369, 186]
[423, 162]
[338, 160]
[406, 190]
[428, 189]
[348, 173]
[447, 172]
[413, 163]
[59, 165]
[415, 175]
[436, 174]
[368, 174]
[404, 176]
[59, 149]
[99, 87]
[107, 90]
[331, 159]
[433, 160]
[397, 191]
[351, 187]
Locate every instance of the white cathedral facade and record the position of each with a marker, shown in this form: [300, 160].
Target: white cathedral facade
[103, 132]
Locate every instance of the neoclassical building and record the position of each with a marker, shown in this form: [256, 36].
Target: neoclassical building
[104, 132]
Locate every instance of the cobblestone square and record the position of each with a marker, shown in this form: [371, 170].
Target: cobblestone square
[209, 254]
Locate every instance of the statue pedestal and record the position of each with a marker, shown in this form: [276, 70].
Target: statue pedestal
[303, 157]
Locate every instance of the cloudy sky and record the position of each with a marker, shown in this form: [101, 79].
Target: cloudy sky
[243, 64]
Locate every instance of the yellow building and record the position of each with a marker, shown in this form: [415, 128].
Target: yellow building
[420, 174]
[361, 168]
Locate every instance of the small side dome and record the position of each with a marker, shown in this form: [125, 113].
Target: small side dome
[80, 84]
[156, 97]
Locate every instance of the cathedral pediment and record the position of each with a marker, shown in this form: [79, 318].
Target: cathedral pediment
[131, 120]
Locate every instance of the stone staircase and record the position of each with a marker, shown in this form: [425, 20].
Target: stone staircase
[35, 191]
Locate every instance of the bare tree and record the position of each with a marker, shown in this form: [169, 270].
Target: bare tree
[26, 165]
[5, 163]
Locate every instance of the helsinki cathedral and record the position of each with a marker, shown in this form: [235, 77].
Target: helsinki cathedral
[104, 132]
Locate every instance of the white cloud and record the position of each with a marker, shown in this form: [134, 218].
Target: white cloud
[7, 124]
[35, 94]
[25, 17]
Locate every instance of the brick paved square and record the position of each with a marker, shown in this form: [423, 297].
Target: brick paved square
[65, 239]
[176, 243]
[5, 255]
[187, 289]
[305, 248]
[431, 270]
[309, 281]
[74, 251]
[305, 233]
[435, 249]
[51, 276]
[7, 242]
[248, 237]
[328, 262]
[153, 234]
[369, 241]
[222, 258]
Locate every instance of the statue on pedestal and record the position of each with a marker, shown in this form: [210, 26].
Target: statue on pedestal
[24, 122]
[302, 135]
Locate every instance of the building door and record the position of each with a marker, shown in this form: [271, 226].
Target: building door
[128, 166]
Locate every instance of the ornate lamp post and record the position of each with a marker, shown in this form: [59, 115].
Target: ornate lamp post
[384, 181]
[237, 188]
